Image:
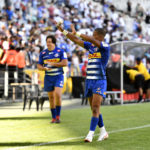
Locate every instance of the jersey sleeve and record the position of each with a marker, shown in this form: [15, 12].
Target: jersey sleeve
[104, 45]
[89, 47]
[40, 59]
[63, 55]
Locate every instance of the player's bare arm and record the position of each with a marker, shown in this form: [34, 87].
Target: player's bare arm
[62, 63]
[90, 39]
[69, 35]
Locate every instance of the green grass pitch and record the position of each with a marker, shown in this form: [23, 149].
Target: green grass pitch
[128, 127]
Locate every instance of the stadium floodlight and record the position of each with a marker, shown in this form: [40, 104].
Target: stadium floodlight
[138, 49]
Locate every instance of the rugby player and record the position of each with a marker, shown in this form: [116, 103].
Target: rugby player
[52, 60]
[96, 82]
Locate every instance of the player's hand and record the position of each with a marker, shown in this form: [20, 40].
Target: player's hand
[46, 68]
[58, 25]
[73, 29]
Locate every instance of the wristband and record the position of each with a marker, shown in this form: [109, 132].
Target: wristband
[78, 34]
[65, 32]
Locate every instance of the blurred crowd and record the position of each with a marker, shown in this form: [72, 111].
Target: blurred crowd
[25, 24]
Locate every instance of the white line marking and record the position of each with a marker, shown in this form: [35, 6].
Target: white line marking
[75, 138]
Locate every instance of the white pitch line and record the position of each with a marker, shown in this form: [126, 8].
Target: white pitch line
[80, 137]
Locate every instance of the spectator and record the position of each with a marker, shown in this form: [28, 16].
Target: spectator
[84, 67]
[21, 63]
[129, 7]
[142, 69]
[10, 59]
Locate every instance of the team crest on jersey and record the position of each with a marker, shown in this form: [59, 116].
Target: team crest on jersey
[96, 49]
[58, 50]
[56, 55]
[43, 52]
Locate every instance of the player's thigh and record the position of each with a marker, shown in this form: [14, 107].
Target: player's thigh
[58, 91]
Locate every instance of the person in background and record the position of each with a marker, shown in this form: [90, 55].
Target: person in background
[21, 63]
[84, 68]
[10, 59]
[137, 79]
[142, 69]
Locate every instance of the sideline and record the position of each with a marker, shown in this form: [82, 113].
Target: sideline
[75, 138]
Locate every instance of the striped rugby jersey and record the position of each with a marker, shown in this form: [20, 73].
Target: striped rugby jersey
[97, 60]
[53, 56]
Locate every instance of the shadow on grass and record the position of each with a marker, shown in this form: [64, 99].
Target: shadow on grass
[23, 118]
[30, 144]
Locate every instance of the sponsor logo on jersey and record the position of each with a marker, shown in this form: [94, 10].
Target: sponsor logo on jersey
[50, 53]
[43, 52]
[58, 50]
[94, 55]
[51, 60]
[45, 57]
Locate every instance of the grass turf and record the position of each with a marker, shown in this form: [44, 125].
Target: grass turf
[19, 129]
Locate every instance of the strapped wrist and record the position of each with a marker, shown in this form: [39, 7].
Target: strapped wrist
[65, 32]
[78, 34]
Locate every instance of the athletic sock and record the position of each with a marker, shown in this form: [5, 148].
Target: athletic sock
[58, 110]
[100, 122]
[94, 122]
[53, 111]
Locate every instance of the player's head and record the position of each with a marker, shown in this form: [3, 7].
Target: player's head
[99, 34]
[138, 60]
[50, 41]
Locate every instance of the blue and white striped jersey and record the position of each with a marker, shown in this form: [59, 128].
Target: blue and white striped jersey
[97, 60]
[55, 55]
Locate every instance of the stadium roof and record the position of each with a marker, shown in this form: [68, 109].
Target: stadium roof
[136, 48]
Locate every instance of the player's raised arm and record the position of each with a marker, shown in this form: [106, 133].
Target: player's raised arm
[91, 39]
[69, 35]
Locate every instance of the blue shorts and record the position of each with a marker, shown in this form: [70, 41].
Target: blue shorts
[50, 82]
[95, 87]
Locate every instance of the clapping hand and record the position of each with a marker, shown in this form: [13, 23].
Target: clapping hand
[73, 29]
[58, 25]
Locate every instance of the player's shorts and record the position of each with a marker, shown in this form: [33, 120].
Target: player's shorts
[95, 87]
[50, 82]
[147, 85]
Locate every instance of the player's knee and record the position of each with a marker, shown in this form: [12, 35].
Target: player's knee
[58, 96]
[51, 97]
